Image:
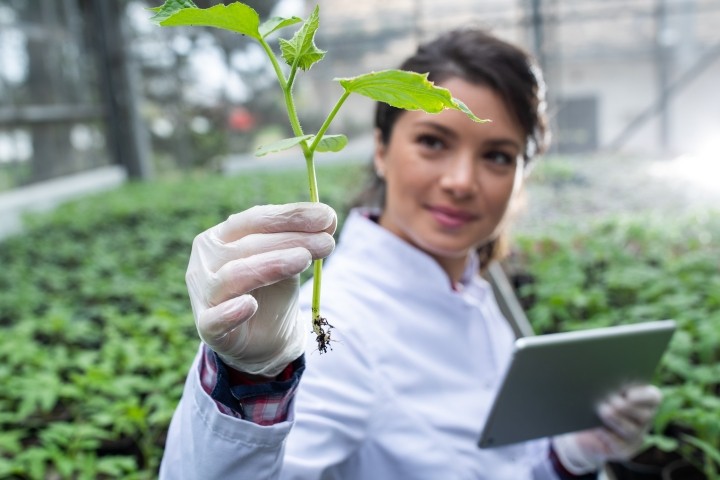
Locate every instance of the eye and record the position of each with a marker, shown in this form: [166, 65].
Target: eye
[431, 142]
[499, 157]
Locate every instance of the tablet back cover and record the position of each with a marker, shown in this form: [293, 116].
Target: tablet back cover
[555, 381]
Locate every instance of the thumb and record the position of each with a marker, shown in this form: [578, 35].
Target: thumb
[216, 324]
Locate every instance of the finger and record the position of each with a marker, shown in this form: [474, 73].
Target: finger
[616, 423]
[241, 276]
[320, 245]
[292, 217]
[614, 446]
[644, 396]
[637, 402]
[217, 323]
[625, 419]
[213, 254]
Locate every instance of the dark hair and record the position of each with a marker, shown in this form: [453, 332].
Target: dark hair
[481, 59]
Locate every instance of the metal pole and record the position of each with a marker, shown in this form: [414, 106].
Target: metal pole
[417, 21]
[661, 68]
[538, 33]
[710, 56]
[128, 141]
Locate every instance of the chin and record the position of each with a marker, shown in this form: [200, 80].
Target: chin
[446, 251]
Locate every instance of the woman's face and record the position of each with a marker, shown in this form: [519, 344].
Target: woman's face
[450, 180]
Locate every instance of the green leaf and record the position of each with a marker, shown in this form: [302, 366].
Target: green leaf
[459, 105]
[281, 145]
[236, 17]
[666, 444]
[332, 143]
[300, 50]
[168, 8]
[276, 23]
[329, 143]
[116, 466]
[406, 90]
[706, 447]
[11, 441]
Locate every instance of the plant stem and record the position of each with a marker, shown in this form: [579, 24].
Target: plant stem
[318, 321]
[291, 77]
[328, 120]
[275, 63]
[317, 264]
[308, 153]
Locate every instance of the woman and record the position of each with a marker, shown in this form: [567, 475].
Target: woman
[420, 343]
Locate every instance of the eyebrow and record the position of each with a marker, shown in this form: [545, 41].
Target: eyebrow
[436, 126]
[502, 142]
[498, 142]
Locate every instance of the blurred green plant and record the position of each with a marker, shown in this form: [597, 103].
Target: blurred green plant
[631, 269]
[14, 174]
[96, 332]
[556, 171]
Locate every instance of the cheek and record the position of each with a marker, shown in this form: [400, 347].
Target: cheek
[498, 191]
[397, 193]
[510, 201]
[404, 173]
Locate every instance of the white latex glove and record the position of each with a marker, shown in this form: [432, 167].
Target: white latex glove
[243, 279]
[627, 416]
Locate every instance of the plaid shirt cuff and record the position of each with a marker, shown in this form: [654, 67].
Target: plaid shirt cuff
[261, 401]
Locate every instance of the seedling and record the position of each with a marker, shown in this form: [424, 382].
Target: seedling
[401, 89]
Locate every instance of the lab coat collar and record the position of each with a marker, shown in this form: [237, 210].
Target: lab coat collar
[361, 234]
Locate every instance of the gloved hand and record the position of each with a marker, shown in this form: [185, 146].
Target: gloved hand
[243, 279]
[627, 416]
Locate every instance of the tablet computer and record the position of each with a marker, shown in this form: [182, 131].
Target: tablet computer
[554, 382]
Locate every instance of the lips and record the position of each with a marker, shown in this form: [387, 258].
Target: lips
[451, 217]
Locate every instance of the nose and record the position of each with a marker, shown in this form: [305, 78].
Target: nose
[459, 177]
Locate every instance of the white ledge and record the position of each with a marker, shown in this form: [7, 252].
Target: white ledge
[47, 195]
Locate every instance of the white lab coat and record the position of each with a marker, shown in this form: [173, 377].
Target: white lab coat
[403, 394]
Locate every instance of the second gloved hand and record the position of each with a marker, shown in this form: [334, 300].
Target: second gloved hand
[627, 416]
[243, 279]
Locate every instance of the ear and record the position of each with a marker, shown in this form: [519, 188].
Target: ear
[379, 154]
